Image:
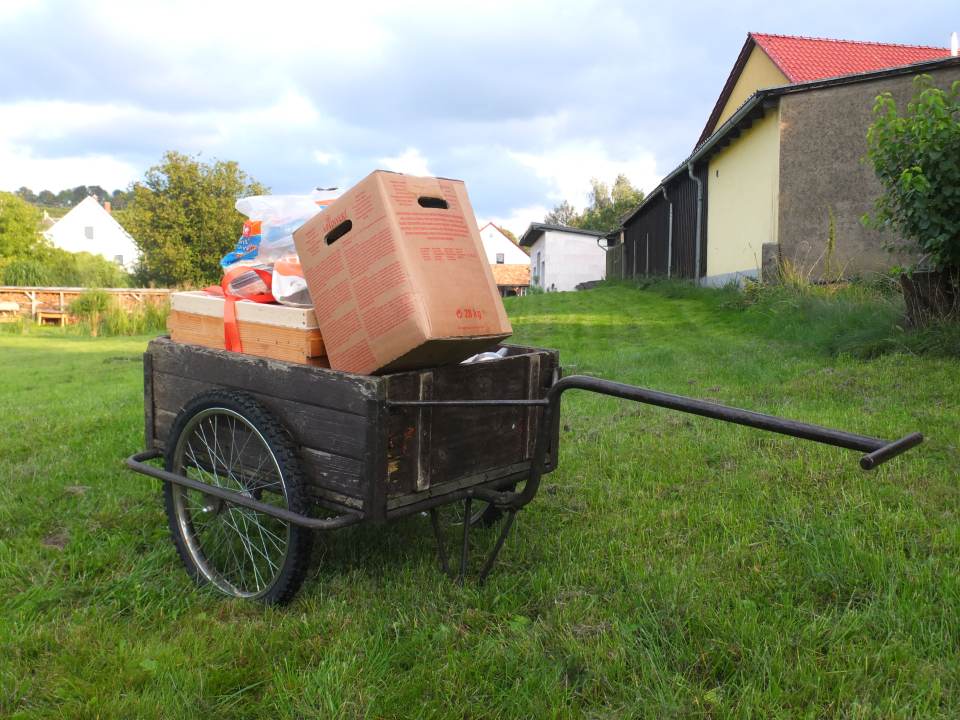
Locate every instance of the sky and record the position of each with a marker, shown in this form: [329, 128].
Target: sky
[524, 101]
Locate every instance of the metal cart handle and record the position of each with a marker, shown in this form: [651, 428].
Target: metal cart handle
[878, 451]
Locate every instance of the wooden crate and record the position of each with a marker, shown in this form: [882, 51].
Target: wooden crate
[355, 451]
[271, 331]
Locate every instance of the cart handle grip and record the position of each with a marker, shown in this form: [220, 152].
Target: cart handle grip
[890, 451]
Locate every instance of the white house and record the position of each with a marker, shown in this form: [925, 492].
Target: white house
[501, 250]
[89, 227]
[510, 264]
[563, 257]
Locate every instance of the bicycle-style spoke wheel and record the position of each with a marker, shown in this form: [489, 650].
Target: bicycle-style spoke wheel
[228, 440]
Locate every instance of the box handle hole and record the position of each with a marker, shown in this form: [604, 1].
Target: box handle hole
[433, 202]
[339, 231]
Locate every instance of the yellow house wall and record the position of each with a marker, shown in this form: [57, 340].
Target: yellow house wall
[743, 187]
[758, 72]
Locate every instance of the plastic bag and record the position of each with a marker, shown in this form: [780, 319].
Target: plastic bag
[248, 282]
[268, 234]
[289, 287]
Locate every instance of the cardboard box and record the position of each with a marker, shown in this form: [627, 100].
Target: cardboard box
[398, 276]
[273, 331]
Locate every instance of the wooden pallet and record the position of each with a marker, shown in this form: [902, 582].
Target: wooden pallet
[288, 339]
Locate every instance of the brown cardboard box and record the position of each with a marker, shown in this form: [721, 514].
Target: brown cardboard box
[398, 276]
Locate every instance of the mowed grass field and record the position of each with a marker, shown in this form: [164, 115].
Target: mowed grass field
[672, 566]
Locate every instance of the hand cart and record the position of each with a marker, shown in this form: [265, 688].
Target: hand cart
[259, 453]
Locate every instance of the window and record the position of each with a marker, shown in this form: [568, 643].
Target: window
[118, 259]
[499, 258]
[88, 232]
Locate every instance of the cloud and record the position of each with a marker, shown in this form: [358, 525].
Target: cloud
[19, 168]
[568, 168]
[410, 162]
[525, 100]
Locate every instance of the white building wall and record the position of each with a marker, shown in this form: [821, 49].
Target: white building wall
[72, 233]
[571, 259]
[495, 242]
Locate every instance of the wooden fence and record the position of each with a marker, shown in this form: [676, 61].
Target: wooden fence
[32, 300]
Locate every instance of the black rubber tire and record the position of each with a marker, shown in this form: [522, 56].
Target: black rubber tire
[300, 543]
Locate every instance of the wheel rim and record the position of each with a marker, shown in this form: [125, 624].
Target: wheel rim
[478, 508]
[239, 550]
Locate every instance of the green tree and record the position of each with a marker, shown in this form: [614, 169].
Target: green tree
[19, 227]
[608, 206]
[182, 218]
[562, 214]
[916, 156]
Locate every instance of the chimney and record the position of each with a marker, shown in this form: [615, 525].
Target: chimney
[107, 207]
[954, 45]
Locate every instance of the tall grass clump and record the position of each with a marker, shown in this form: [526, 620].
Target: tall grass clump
[855, 318]
[100, 314]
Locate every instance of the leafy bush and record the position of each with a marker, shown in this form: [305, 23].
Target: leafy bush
[916, 156]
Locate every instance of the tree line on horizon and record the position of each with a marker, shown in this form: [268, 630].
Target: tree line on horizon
[71, 197]
[182, 218]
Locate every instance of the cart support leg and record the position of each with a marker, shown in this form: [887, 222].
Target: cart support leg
[492, 558]
[460, 578]
[441, 547]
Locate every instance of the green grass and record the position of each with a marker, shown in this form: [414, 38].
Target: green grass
[672, 567]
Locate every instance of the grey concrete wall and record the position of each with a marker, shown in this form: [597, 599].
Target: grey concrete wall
[822, 149]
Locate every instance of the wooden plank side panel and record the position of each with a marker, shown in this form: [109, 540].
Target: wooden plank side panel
[333, 442]
[283, 380]
[451, 443]
[148, 409]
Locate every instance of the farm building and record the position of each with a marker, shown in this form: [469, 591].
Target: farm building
[89, 227]
[778, 164]
[510, 264]
[563, 257]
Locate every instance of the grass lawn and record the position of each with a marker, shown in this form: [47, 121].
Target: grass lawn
[672, 567]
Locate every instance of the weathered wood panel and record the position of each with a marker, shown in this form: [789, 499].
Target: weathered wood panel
[429, 447]
[274, 378]
[316, 427]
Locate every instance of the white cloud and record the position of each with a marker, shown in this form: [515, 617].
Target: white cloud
[325, 158]
[19, 168]
[568, 168]
[410, 162]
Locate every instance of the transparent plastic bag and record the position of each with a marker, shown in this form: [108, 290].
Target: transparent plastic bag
[268, 234]
[289, 287]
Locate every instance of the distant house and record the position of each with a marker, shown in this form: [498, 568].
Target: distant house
[510, 264]
[778, 164]
[563, 257]
[89, 227]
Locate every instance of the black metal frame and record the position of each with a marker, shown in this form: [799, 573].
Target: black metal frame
[510, 502]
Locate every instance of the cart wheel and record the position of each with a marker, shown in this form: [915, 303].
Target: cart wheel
[482, 513]
[228, 439]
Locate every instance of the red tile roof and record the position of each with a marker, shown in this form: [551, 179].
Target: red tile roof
[511, 275]
[803, 59]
